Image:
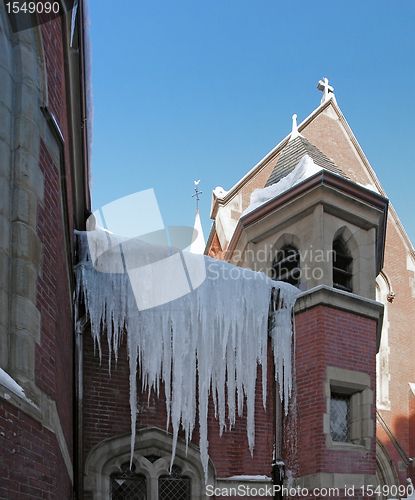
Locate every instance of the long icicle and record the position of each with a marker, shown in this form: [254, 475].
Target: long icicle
[216, 334]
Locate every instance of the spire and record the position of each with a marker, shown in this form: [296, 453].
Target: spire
[198, 245]
[326, 88]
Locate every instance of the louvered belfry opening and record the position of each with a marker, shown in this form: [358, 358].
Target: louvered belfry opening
[342, 267]
[175, 486]
[287, 265]
[127, 485]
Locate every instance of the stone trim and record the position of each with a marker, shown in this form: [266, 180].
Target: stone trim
[362, 428]
[334, 480]
[324, 295]
[386, 474]
[107, 457]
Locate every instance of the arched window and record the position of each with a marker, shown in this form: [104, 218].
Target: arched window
[108, 474]
[286, 266]
[175, 486]
[127, 485]
[342, 267]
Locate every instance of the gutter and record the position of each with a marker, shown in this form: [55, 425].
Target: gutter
[81, 323]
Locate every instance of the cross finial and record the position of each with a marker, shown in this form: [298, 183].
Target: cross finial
[326, 88]
[197, 194]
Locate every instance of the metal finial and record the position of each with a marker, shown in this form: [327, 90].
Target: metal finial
[197, 194]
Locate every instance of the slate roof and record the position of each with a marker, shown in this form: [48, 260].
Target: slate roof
[292, 154]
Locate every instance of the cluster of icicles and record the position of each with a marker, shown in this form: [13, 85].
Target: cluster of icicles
[206, 342]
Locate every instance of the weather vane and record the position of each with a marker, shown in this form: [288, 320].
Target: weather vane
[197, 194]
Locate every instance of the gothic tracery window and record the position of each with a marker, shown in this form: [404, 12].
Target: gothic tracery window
[127, 485]
[175, 486]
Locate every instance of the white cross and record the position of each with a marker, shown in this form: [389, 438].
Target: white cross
[326, 88]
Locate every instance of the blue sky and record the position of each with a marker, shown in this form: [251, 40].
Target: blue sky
[189, 90]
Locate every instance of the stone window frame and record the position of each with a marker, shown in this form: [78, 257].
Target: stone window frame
[346, 268]
[292, 258]
[346, 237]
[358, 386]
[108, 456]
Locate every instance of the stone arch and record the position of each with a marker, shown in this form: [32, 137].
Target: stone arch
[386, 474]
[352, 247]
[284, 240]
[107, 457]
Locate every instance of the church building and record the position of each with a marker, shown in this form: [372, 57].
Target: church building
[312, 213]
[332, 233]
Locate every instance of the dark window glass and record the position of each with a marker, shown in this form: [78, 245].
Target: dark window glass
[287, 266]
[175, 486]
[340, 418]
[342, 267]
[127, 485]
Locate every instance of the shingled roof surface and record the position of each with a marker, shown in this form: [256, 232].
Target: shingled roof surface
[292, 154]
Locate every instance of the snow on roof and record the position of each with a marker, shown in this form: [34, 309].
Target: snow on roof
[249, 478]
[304, 169]
[291, 155]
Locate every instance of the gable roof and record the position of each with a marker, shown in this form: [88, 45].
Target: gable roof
[292, 154]
[329, 104]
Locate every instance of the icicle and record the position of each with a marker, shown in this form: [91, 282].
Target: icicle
[216, 334]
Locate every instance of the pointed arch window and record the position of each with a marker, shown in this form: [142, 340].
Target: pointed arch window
[342, 266]
[286, 266]
[175, 486]
[127, 485]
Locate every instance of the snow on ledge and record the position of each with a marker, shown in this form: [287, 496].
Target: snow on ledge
[258, 478]
[12, 386]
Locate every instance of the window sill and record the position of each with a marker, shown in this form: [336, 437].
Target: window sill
[339, 446]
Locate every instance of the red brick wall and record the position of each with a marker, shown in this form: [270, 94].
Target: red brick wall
[411, 469]
[325, 337]
[401, 338]
[54, 353]
[328, 135]
[107, 414]
[257, 182]
[31, 465]
[52, 35]
[329, 337]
